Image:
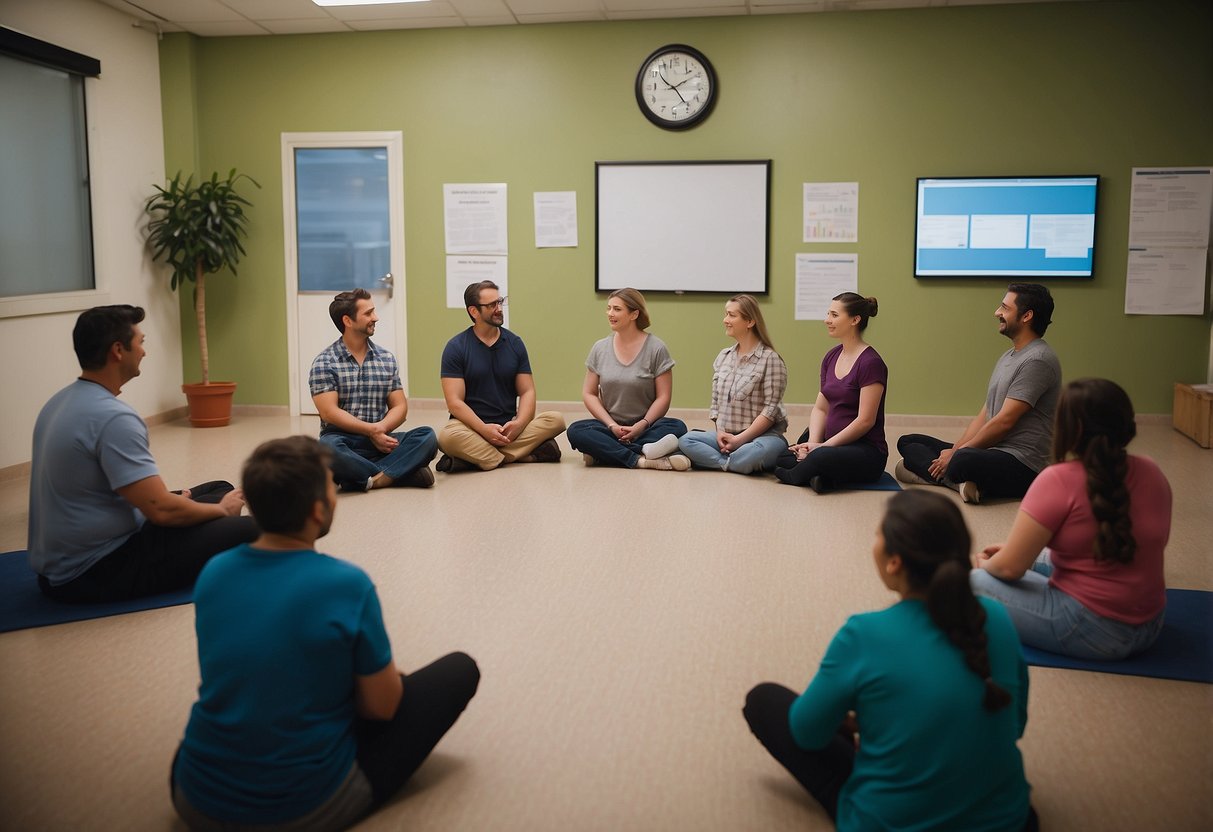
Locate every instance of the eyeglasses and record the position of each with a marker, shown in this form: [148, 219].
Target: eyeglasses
[500, 303]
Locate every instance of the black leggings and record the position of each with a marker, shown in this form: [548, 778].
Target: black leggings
[822, 772]
[157, 559]
[854, 464]
[389, 751]
[996, 473]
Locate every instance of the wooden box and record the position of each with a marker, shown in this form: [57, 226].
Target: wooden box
[1193, 412]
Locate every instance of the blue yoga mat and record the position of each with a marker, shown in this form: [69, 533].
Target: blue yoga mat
[22, 604]
[885, 483]
[1184, 649]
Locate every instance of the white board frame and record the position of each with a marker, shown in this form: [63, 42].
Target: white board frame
[700, 226]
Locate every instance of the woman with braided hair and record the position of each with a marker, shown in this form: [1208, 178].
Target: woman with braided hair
[913, 717]
[1098, 591]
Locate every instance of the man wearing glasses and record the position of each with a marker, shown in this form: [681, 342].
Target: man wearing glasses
[490, 393]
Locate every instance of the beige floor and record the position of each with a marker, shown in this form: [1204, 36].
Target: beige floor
[619, 617]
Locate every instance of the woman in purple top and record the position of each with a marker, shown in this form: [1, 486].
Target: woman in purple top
[844, 443]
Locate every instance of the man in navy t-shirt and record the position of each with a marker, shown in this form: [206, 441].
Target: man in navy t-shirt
[490, 392]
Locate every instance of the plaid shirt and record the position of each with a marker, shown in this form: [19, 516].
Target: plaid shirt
[745, 387]
[362, 391]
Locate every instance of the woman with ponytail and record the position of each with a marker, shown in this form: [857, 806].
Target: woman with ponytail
[913, 717]
[844, 443]
[1098, 591]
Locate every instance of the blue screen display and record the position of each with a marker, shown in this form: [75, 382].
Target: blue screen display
[1029, 227]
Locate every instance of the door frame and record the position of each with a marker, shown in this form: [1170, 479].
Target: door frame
[393, 141]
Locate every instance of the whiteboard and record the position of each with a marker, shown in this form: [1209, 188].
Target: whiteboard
[683, 226]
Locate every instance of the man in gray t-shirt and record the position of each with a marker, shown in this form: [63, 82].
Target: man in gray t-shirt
[103, 526]
[1007, 443]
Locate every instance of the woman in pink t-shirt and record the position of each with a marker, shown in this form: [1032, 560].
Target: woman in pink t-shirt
[1098, 591]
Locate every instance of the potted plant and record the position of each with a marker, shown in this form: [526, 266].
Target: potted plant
[197, 230]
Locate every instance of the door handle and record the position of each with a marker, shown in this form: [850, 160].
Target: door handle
[388, 282]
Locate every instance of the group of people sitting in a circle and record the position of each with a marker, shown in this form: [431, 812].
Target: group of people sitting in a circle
[311, 725]
[1081, 572]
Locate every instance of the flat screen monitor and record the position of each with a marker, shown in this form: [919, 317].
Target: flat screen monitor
[1005, 226]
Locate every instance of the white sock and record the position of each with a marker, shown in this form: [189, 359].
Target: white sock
[664, 446]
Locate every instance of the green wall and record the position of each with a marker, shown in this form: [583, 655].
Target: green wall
[875, 97]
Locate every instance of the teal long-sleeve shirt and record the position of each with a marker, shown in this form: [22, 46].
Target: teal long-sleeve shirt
[930, 756]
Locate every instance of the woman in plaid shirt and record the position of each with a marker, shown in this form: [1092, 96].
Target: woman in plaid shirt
[748, 381]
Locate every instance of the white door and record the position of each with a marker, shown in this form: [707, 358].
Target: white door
[343, 212]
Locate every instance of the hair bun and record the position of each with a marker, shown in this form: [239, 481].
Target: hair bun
[872, 307]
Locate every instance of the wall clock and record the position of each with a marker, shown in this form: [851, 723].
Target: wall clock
[676, 87]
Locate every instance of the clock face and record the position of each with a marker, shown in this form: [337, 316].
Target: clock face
[676, 87]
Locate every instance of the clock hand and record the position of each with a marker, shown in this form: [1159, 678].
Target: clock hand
[673, 87]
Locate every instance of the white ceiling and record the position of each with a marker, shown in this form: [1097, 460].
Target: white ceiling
[219, 18]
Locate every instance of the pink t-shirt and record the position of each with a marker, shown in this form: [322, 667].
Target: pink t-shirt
[1132, 592]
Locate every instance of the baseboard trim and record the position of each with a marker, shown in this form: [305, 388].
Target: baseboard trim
[796, 413]
[166, 416]
[259, 409]
[15, 472]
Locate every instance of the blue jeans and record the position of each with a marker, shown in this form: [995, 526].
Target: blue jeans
[1049, 619]
[592, 437]
[754, 456]
[356, 459]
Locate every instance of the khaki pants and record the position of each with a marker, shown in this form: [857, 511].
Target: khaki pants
[458, 440]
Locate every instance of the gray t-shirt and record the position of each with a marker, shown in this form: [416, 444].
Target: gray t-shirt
[1031, 375]
[627, 390]
[87, 444]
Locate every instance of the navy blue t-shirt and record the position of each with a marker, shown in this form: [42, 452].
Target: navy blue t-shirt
[488, 373]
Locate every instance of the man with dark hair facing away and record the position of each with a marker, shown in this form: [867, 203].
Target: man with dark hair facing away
[1007, 443]
[303, 721]
[103, 526]
[356, 387]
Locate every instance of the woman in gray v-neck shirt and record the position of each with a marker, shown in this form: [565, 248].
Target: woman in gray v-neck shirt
[628, 387]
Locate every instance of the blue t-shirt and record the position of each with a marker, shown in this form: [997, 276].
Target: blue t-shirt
[87, 444]
[930, 756]
[281, 636]
[488, 373]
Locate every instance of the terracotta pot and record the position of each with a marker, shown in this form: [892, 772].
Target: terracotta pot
[210, 404]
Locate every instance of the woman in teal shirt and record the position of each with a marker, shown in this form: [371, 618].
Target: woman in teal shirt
[912, 720]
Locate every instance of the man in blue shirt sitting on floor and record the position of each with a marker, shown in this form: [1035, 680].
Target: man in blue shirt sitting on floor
[356, 387]
[490, 392]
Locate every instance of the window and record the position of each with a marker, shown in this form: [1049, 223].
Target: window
[46, 241]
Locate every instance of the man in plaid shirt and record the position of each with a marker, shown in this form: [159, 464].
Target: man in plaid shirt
[356, 387]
